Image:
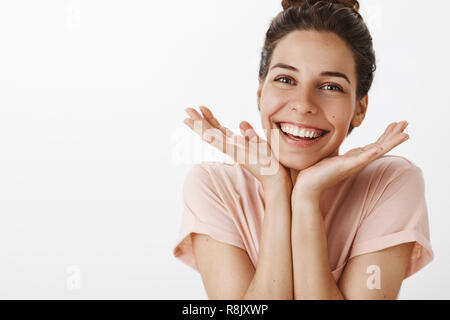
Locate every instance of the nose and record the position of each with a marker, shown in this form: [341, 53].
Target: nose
[302, 100]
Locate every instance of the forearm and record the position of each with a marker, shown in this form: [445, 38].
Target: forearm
[311, 268]
[273, 274]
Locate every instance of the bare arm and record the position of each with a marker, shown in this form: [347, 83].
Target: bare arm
[273, 276]
[227, 271]
[386, 268]
[312, 273]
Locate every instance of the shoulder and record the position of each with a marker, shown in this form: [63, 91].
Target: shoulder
[389, 168]
[389, 176]
[219, 175]
[393, 163]
[206, 171]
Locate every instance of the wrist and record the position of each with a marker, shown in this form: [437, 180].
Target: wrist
[278, 183]
[305, 193]
[303, 198]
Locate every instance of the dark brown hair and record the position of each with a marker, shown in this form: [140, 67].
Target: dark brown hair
[338, 16]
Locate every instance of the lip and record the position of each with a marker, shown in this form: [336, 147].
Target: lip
[300, 143]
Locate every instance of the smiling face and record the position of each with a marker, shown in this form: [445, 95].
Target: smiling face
[311, 81]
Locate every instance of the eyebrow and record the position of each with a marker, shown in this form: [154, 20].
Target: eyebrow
[324, 73]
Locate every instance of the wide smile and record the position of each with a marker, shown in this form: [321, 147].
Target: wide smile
[299, 142]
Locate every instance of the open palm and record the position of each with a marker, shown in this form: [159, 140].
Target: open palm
[249, 150]
[329, 171]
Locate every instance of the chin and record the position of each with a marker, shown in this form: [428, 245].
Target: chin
[297, 163]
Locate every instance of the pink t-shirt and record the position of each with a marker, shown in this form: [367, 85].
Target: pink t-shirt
[380, 206]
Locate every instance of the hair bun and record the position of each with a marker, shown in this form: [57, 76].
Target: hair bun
[352, 4]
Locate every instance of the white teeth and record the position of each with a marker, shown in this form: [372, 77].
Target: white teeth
[299, 132]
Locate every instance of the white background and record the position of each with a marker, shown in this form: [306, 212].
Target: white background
[93, 149]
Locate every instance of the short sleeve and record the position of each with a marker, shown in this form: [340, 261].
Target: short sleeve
[204, 211]
[399, 215]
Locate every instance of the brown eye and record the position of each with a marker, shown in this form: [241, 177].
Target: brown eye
[284, 78]
[334, 88]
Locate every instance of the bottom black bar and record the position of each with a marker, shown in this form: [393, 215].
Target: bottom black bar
[221, 309]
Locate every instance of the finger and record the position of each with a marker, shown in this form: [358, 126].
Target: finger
[205, 122]
[200, 125]
[391, 127]
[252, 141]
[225, 144]
[395, 136]
[189, 122]
[263, 148]
[248, 131]
[397, 128]
[389, 135]
[250, 137]
[213, 121]
[230, 146]
[222, 138]
[392, 137]
[386, 132]
[193, 114]
[209, 116]
[405, 124]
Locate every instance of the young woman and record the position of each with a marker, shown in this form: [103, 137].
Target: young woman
[304, 221]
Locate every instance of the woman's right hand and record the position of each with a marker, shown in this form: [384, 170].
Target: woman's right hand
[264, 165]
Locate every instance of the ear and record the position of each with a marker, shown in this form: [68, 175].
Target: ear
[360, 112]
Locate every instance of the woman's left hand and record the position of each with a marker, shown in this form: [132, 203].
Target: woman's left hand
[314, 180]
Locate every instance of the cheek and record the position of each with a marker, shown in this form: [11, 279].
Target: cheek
[270, 104]
[339, 118]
